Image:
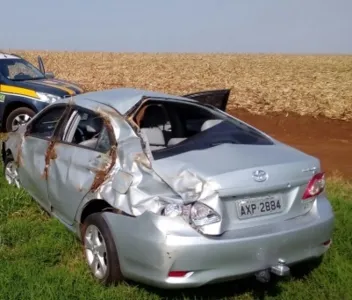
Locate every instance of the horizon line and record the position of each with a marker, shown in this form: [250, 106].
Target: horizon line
[8, 50]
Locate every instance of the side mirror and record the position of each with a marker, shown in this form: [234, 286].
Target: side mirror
[41, 65]
[49, 75]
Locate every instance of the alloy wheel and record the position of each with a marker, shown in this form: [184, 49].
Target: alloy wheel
[96, 252]
[11, 174]
[19, 120]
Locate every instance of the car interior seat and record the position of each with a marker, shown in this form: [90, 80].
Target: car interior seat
[206, 125]
[210, 123]
[93, 126]
[154, 116]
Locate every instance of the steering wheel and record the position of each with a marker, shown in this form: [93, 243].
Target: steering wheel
[19, 75]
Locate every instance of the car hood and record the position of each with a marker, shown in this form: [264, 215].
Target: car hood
[56, 87]
[229, 168]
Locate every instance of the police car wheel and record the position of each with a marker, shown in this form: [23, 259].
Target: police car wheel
[17, 117]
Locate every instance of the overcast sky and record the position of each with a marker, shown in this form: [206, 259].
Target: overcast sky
[295, 26]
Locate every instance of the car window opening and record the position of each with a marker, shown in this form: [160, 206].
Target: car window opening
[89, 130]
[173, 128]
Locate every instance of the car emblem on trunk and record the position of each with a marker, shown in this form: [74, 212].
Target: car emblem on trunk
[260, 175]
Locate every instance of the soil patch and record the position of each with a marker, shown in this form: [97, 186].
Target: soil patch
[327, 139]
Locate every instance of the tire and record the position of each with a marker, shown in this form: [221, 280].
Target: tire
[113, 274]
[18, 112]
[16, 182]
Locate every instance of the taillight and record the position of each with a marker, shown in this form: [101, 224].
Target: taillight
[315, 186]
[179, 273]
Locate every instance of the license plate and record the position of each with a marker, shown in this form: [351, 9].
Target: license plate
[259, 206]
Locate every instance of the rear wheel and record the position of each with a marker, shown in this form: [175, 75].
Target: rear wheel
[100, 251]
[17, 117]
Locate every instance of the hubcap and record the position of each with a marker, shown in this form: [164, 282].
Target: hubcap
[95, 249]
[20, 120]
[11, 174]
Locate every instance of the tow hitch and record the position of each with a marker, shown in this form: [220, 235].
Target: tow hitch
[280, 269]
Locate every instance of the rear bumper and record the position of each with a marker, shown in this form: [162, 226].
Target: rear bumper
[151, 246]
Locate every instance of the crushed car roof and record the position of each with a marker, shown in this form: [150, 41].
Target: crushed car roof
[122, 99]
[8, 56]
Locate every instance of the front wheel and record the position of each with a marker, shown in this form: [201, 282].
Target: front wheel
[100, 250]
[10, 172]
[18, 117]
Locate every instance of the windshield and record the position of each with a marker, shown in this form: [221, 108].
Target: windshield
[18, 69]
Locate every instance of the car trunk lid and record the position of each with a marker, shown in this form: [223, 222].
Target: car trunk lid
[256, 183]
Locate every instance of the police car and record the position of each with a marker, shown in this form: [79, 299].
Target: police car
[26, 89]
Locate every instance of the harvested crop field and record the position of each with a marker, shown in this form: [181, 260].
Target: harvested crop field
[303, 101]
[307, 85]
[294, 98]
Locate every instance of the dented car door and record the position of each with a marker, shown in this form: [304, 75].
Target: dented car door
[77, 169]
[31, 155]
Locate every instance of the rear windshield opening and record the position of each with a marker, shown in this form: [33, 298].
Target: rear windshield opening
[173, 128]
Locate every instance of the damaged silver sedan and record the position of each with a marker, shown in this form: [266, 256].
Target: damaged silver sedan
[171, 191]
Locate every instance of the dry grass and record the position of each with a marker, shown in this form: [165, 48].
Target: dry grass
[307, 85]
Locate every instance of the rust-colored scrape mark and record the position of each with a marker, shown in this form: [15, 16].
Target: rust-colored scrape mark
[50, 152]
[108, 125]
[98, 179]
[19, 160]
[49, 155]
[143, 160]
[105, 117]
[102, 174]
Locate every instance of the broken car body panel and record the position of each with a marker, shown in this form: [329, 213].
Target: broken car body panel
[123, 100]
[196, 177]
[169, 244]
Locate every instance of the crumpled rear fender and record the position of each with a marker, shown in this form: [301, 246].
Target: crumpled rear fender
[143, 240]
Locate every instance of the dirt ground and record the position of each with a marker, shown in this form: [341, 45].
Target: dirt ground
[329, 140]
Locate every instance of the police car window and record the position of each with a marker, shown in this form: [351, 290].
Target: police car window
[19, 69]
